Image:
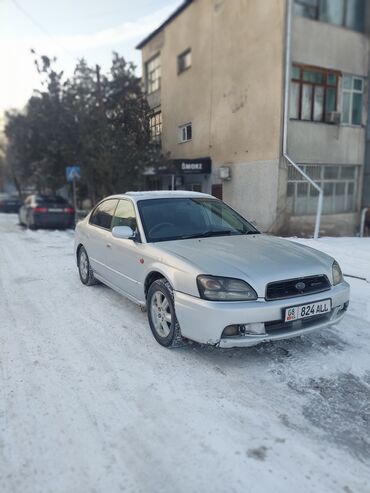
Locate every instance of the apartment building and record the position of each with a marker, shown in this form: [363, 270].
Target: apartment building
[215, 78]
[328, 111]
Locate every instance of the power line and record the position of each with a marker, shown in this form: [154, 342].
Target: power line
[93, 16]
[36, 23]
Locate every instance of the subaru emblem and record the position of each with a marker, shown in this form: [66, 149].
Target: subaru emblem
[300, 286]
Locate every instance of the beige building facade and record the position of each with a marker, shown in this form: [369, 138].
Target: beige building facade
[214, 75]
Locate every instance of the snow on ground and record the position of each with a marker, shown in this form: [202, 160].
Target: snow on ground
[89, 402]
[353, 254]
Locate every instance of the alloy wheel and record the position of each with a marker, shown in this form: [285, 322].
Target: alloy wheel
[84, 265]
[161, 314]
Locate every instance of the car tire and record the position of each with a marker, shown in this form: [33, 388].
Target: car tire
[84, 268]
[162, 316]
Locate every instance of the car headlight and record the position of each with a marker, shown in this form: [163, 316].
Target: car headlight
[337, 274]
[225, 289]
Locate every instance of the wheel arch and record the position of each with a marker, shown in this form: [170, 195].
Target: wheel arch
[153, 276]
[79, 246]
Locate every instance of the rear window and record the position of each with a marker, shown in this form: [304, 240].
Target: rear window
[50, 199]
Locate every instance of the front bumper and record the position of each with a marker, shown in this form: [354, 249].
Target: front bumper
[204, 321]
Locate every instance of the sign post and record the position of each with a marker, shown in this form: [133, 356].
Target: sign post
[73, 174]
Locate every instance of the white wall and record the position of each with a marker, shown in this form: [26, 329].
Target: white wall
[253, 191]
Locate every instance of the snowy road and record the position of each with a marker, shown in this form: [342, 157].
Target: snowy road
[89, 402]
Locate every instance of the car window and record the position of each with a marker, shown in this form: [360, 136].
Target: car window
[103, 214]
[125, 215]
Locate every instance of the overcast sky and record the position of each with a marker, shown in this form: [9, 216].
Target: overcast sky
[69, 29]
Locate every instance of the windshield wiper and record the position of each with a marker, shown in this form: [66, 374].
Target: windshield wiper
[208, 234]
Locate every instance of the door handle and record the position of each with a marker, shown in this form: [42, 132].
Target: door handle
[109, 245]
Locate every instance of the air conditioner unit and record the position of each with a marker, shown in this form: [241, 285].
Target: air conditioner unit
[333, 117]
[224, 173]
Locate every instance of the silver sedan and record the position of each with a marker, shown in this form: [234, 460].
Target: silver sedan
[206, 274]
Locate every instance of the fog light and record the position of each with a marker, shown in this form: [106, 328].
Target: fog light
[230, 330]
[256, 329]
[343, 308]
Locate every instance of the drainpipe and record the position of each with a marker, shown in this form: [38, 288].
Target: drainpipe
[288, 56]
[362, 226]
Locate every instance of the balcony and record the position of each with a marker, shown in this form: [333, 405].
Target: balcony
[313, 142]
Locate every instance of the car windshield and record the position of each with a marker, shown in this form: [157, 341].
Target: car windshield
[185, 218]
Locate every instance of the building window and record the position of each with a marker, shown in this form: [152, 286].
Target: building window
[184, 61]
[307, 8]
[154, 183]
[155, 127]
[313, 93]
[352, 96]
[153, 74]
[345, 13]
[185, 132]
[338, 182]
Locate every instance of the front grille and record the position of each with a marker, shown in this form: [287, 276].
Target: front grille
[291, 288]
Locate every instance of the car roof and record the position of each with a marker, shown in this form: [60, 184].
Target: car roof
[162, 194]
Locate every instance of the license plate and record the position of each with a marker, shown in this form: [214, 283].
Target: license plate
[307, 310]
[55, 210]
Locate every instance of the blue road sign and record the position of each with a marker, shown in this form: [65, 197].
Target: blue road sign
[73, 172]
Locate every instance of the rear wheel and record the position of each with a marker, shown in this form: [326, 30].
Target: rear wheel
[161, 314]
[84, 268]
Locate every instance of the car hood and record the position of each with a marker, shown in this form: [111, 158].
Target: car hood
[257, 259]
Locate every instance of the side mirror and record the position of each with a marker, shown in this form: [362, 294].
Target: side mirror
[123, 232]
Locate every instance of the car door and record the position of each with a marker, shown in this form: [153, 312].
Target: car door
[98, 244]
[125, 259]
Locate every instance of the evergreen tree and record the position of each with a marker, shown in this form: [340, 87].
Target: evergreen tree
[94, 120]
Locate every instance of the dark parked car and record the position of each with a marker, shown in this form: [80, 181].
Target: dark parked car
[46, 211]
[10, 204]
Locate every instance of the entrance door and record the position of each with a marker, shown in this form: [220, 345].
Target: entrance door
[217, 191]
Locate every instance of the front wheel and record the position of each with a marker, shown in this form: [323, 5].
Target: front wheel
[162, 316]
[84, 268]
